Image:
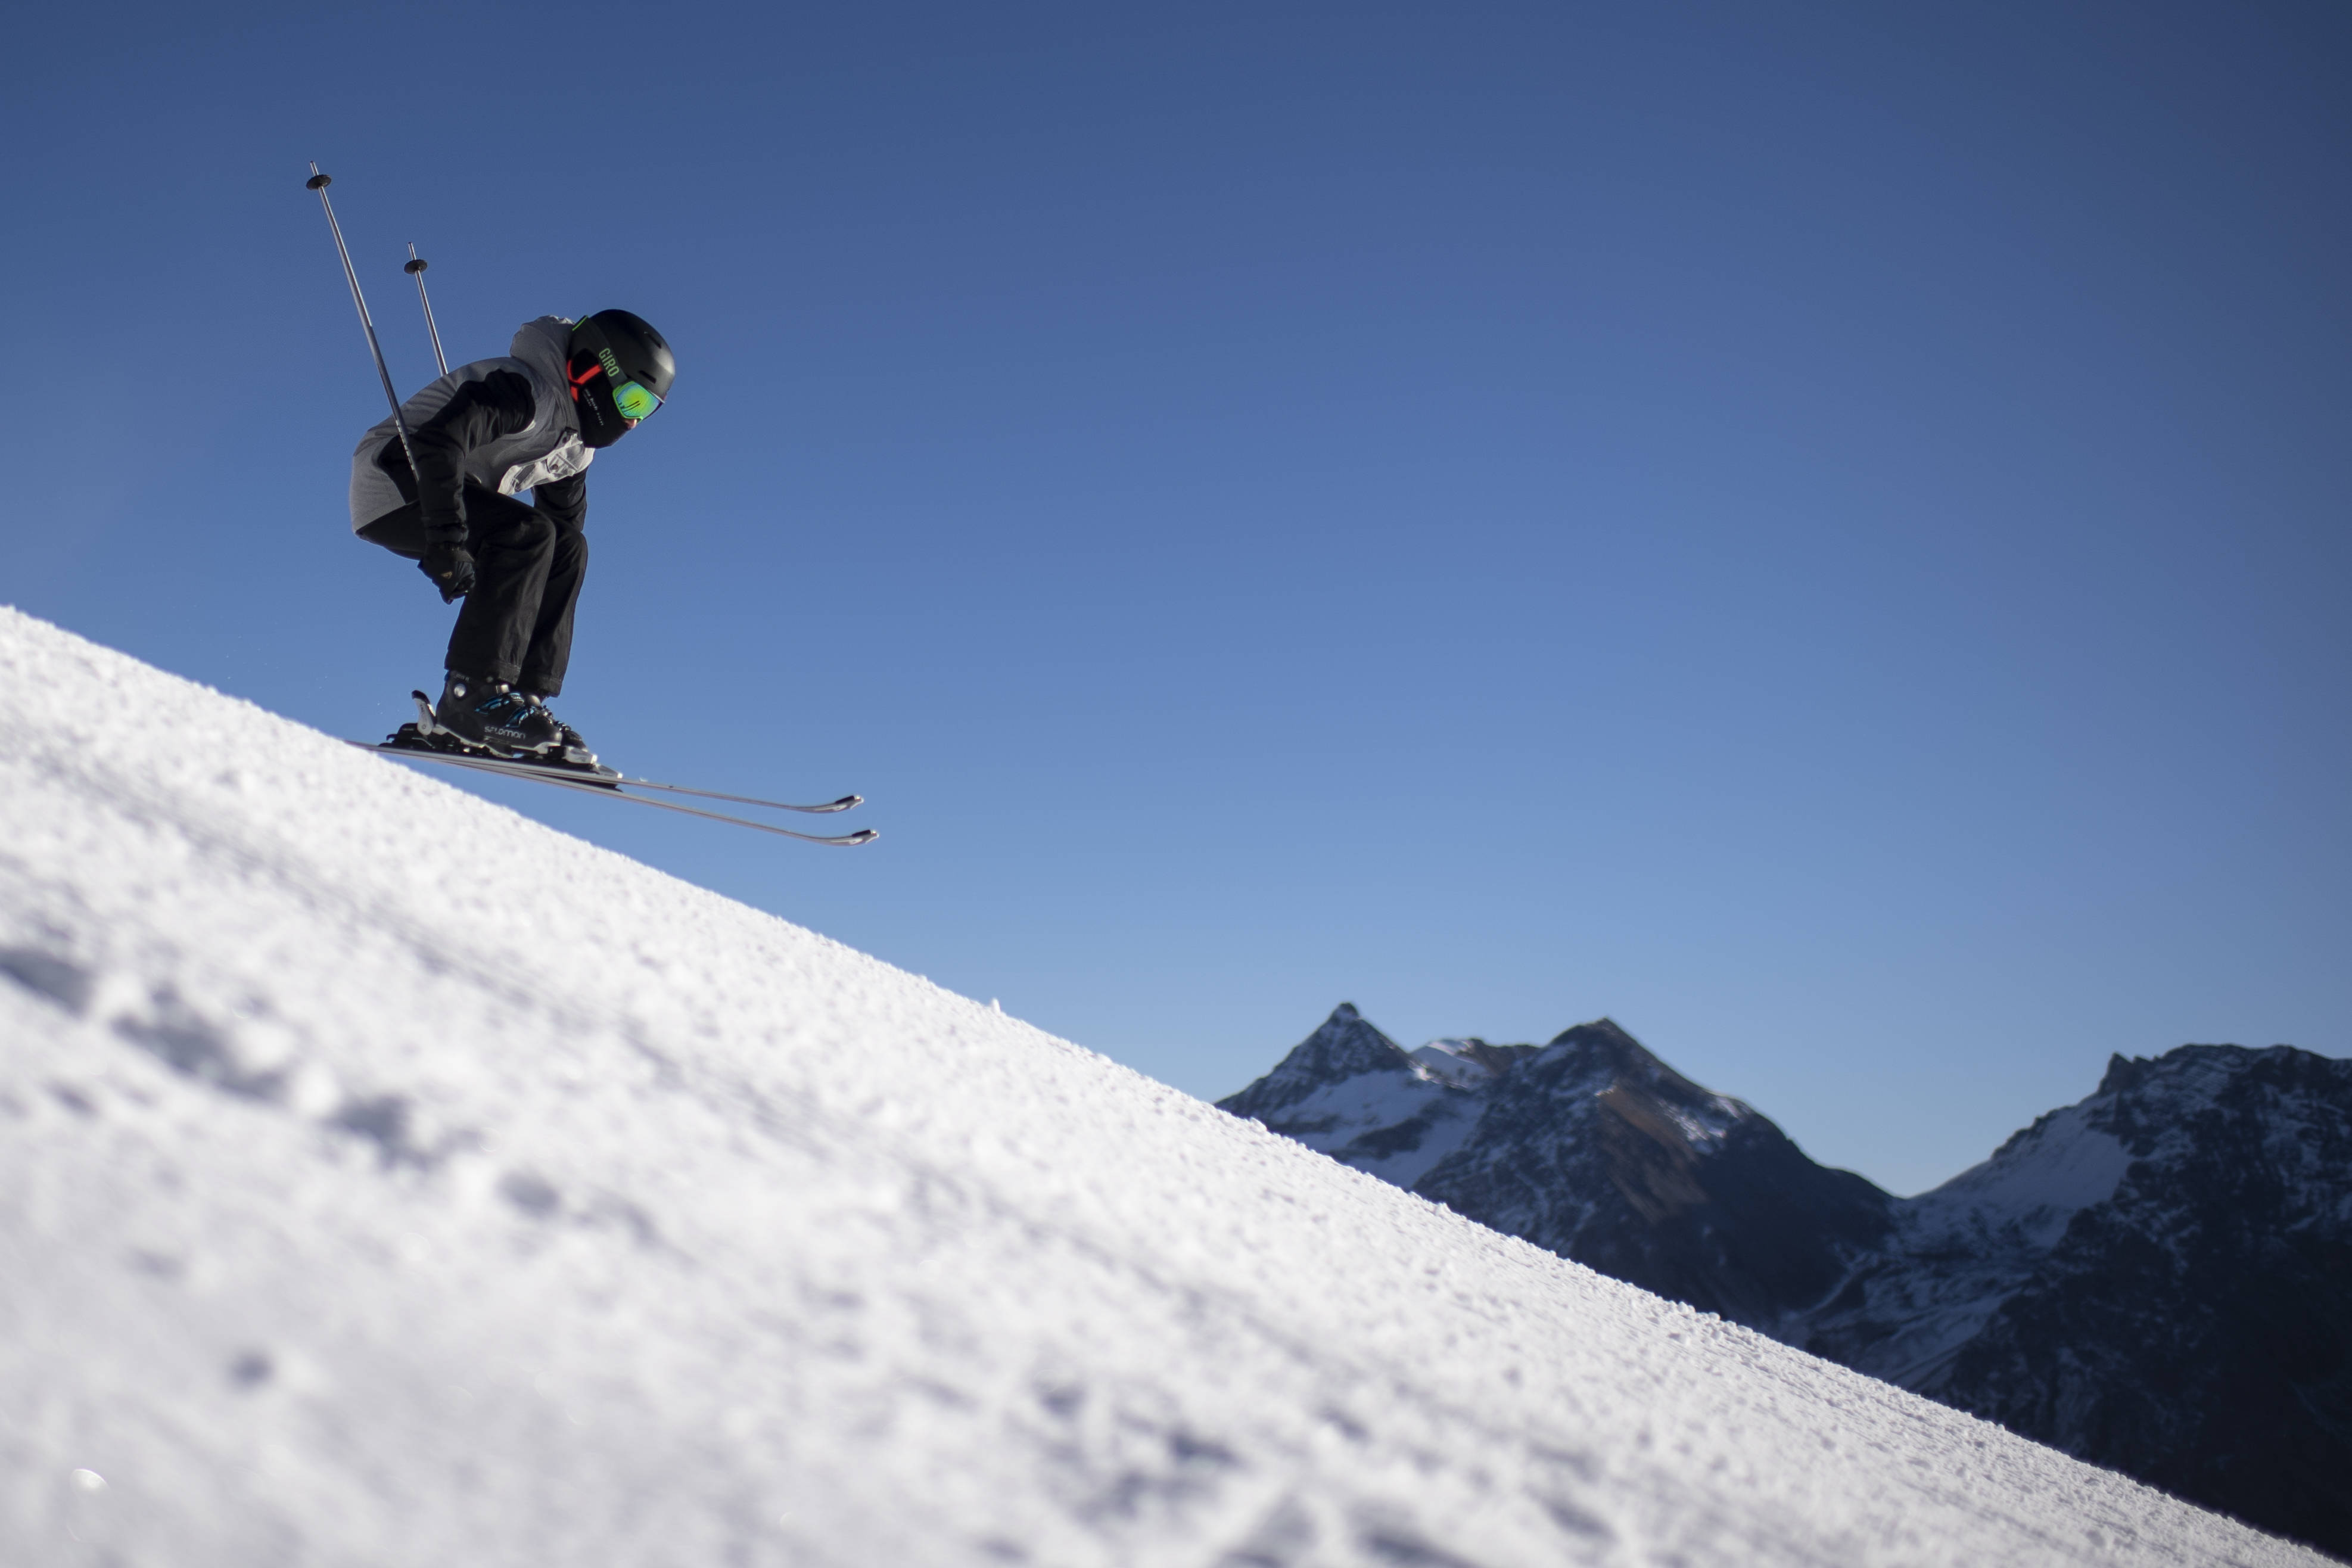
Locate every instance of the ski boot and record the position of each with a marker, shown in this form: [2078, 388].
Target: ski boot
[496, 718]
[569, 747]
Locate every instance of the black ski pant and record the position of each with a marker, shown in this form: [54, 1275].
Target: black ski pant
[515, 625]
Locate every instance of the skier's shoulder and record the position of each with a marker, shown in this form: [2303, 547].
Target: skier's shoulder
[545, 333]
[542, 352]
[545, 345]
[504, 390]
[529, 379]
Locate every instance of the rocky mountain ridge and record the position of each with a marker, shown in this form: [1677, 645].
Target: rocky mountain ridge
[2158, 1279]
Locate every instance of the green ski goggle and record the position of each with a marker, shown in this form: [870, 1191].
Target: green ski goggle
[633, 401]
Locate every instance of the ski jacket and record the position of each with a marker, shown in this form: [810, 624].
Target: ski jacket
[508, 424]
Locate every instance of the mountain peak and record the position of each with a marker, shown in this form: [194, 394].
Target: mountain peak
[2122, 1073]
[1601, 1030]
[1602, 1049]
[2197, 1067]
[1602, 1040]
[1345, 1046]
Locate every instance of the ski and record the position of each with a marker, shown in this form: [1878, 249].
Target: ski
[422, 735]
[609, 789]
[605, 778]
[426, 741]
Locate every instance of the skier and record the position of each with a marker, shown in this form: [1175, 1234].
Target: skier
[483, 434]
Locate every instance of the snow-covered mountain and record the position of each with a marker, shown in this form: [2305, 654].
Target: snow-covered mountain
[1589, 1147]
[2158, 1279]
[387, 1179]
[1355, 1094]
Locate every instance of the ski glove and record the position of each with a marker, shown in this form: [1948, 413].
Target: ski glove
[451, 567]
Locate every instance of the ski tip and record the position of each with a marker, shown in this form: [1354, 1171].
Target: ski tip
[846, 802]
[852, 840]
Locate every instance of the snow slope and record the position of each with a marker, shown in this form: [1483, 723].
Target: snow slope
[387, 1179]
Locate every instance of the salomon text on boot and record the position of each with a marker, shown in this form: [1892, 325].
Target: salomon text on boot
[494, 715]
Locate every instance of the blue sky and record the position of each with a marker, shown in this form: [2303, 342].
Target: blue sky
[1818, 531]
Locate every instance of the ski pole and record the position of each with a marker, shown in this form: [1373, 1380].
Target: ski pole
[318, 182]
[416, 268]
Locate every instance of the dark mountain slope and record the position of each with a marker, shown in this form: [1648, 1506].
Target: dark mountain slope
[1598, 1151]
[1589, 1146]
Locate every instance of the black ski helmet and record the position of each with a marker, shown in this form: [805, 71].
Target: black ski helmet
[608, 349]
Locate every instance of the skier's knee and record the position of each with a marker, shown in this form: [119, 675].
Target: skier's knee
[535, 535]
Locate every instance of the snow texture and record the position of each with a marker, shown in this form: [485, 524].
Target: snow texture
[386, 1178]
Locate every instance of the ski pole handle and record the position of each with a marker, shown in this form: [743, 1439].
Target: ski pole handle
[318, 182]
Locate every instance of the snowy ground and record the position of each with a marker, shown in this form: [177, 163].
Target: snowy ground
[385, 1179]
